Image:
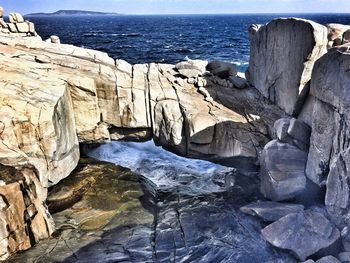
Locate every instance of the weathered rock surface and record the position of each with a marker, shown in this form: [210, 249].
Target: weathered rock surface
[271, 211]
[330, 135]
[17, 26]
[303, 233]
[282, 171]
[24, 220]
[282, 57]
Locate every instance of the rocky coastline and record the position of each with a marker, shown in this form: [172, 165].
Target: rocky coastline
[287, 119]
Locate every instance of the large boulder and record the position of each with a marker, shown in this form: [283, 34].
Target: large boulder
[222, 69]
[282, 56]
[293, 131]
[330, 134]
[16, 18]
[282, 171]
[304, 234]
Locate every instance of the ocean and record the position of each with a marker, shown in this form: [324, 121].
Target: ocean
[166, 38]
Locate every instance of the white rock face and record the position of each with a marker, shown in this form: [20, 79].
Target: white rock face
[282, 57]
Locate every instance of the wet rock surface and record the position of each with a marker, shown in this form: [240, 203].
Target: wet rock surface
[110, 214]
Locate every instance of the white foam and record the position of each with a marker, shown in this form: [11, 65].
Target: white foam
[166, 170]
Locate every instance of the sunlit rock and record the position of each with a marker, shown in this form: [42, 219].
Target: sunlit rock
[282, 56]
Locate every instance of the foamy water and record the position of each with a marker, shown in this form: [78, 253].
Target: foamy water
[166, 170]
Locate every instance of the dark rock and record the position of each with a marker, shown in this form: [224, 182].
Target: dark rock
[304, 233]
[222, 69]
[281, 130]
[238, 82]
[346, 37]
[271, 211]
[282, 171]
[344, 257]
[299, 131]
[338, 190]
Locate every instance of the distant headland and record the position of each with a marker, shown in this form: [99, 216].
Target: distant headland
[73, 13]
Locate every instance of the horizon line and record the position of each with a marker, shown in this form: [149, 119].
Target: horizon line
[157, 14]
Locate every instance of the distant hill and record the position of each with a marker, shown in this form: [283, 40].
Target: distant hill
[73, 13]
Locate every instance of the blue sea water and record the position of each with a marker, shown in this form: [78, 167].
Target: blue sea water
[166, 38]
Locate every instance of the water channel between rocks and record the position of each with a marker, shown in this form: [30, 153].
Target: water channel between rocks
[166, 208]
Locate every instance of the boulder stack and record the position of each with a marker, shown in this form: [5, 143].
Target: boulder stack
[16, 26]
[284, 159]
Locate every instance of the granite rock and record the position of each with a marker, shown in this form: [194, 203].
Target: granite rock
[282, 171]
[279, 76]
[304, 233]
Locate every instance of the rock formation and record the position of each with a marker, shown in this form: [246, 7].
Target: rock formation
[279, 76]
[90, 98]
[54, 97]
[16, 26]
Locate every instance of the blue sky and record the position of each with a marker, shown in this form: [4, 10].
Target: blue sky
[180, 6]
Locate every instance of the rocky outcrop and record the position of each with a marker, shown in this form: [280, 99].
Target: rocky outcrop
[24, 220]
[328, 159]
[55, 96]
[282, 56]
[329, 138]
[303, 233]
[16, 26]
[336, 34]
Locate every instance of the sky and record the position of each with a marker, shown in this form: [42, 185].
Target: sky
[180, 6]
